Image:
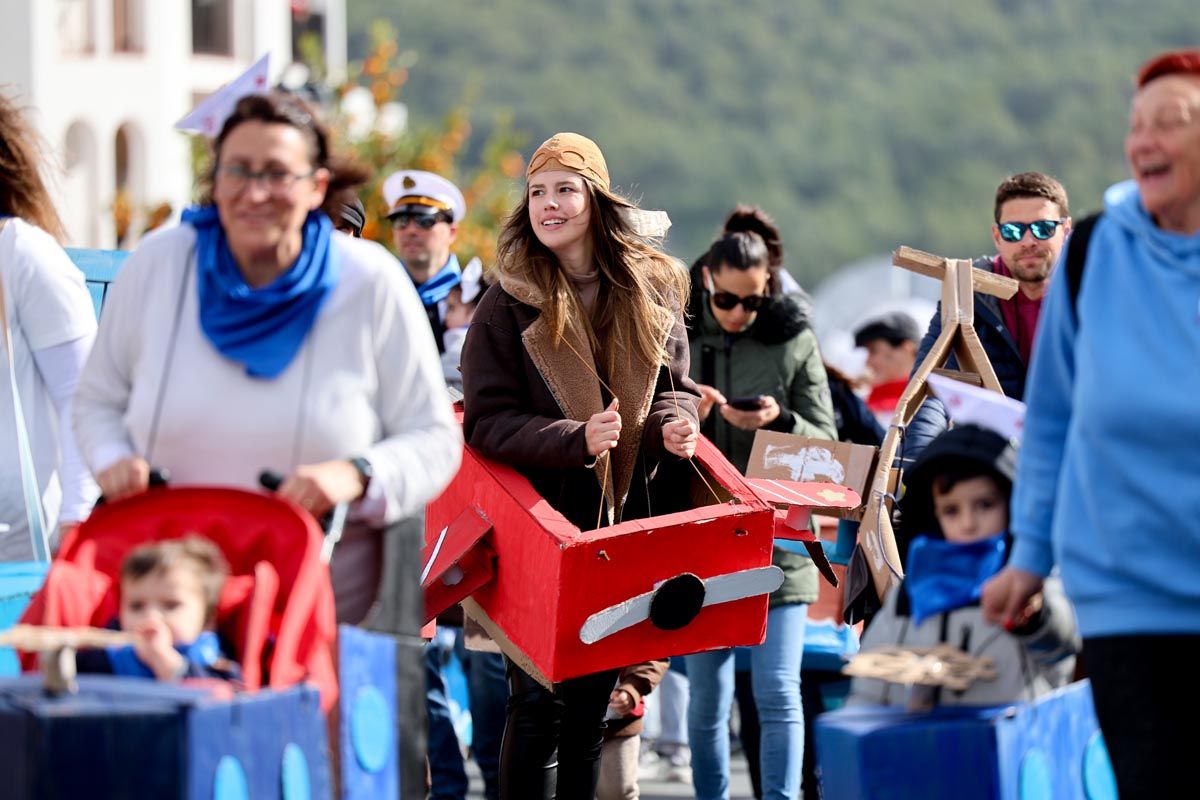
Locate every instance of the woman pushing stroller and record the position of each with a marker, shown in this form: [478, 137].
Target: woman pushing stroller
[252, 337]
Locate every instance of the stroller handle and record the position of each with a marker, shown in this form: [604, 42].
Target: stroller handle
[158, 478]
[333, 522]
[270, 480]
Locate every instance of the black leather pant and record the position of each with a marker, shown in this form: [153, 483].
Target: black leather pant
[552, 740]
[1149, 724]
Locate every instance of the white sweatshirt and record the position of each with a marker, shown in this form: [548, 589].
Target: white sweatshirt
[52, 323]
[367, 382]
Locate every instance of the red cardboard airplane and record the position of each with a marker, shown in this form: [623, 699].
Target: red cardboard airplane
[563, 602]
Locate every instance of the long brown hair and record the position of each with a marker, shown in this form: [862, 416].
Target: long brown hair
[22, 192]
[642, 289]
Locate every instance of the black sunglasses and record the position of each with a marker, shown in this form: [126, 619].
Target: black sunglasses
[728, 301]
[1041, 229]
[424, 221]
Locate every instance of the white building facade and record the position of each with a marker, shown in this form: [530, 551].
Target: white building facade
[104, 82]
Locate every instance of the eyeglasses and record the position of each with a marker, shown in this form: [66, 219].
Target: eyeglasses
[1041, 229]
[234, 178]
[728, 301]
[423, 221]
[1163, 120]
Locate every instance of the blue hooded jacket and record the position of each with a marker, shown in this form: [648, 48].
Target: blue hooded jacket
[1108, 479]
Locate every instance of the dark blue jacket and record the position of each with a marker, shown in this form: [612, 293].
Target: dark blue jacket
[855, 422]
[1001, 347]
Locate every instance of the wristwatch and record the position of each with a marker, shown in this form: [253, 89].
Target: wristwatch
[365, 472]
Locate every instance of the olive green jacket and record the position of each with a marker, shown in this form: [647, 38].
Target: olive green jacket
[777, 356]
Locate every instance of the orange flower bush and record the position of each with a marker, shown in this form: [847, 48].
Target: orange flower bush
[488, 181]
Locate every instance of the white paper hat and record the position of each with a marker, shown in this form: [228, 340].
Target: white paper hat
[968, 404]
[208, 117]
[472, 280]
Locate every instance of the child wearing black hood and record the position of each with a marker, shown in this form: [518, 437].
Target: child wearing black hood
[956, 499]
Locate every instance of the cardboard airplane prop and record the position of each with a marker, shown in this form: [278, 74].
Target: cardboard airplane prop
[562, 602]
[960, 281]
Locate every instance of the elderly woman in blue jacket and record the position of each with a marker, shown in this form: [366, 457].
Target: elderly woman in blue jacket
[1106, 481]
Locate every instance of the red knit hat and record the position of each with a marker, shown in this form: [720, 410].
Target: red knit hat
[1175, 62]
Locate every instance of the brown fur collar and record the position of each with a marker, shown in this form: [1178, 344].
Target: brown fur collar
[575, 385]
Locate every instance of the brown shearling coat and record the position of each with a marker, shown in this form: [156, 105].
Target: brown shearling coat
[527, 402]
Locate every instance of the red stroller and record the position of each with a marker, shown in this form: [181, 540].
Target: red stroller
[276, 609]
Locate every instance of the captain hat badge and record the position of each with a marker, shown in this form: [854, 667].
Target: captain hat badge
[418, 192]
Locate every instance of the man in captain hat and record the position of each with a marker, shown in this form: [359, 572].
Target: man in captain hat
[425, 210]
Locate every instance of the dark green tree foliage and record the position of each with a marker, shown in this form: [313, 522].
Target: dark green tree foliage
[860, 124]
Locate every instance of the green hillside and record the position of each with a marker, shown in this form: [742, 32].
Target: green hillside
[860, 125]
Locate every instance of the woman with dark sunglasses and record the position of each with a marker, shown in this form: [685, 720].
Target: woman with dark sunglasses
[758, 366]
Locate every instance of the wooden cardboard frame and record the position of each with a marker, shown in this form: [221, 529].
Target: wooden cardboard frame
[960, 280]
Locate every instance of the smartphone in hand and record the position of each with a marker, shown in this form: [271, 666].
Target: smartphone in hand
[749, 403]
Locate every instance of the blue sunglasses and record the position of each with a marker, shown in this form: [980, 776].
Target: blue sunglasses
[1041, 229]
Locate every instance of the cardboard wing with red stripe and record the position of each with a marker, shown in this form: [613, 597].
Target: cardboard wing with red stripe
[795, 502]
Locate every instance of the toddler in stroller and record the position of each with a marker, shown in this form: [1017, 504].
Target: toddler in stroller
[275, 610]
[168, 601]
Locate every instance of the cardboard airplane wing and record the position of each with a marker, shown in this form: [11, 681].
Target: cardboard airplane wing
[795, 503]
[563, 602]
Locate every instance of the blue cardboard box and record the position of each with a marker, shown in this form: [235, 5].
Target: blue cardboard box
[1051, 748]
[370, 730]
[129, 738]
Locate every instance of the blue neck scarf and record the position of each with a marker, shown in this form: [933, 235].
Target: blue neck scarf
[205, 650]
[943, 576]
[261, 328]
[435, 290]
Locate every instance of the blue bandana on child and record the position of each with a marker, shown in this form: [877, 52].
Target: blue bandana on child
[205, 650]
[261, 328]
[437, 288]
[943, 576]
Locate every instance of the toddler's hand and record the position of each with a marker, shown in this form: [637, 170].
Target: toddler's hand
[155, 649]
[621, 702]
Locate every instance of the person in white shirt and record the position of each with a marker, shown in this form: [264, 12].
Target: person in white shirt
[52, 323]
[253, 337]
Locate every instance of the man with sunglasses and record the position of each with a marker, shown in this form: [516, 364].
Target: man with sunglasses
[1032, 222]
[425, 210]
